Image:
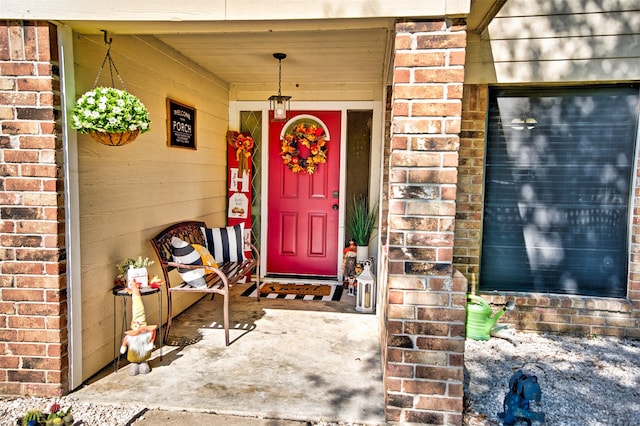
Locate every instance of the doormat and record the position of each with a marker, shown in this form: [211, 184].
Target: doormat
[323, 292]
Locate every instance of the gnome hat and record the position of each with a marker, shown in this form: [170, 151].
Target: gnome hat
[139, 319]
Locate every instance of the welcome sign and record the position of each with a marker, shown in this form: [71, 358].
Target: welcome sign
[181, 125]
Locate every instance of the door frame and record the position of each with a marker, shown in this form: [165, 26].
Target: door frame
[376, 158]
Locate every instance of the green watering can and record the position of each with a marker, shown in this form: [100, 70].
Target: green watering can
[479, 319]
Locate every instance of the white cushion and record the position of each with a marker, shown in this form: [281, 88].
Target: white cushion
[184, 253]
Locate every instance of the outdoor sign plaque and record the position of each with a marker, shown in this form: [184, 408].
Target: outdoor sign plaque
[181, 125]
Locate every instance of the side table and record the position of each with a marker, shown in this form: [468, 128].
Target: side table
[123, 293]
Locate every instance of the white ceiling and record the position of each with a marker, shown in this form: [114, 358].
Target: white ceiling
[317, 52]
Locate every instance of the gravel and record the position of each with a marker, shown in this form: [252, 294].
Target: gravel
[584, 381]
[83, 413]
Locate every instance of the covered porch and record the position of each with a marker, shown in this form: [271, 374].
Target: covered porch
[300, 360]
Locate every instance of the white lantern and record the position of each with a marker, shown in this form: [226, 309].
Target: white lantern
[366, 289]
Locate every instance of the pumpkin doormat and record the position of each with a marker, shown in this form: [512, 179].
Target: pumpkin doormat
[296, 291]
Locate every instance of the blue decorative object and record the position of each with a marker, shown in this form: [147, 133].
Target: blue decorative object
[523, 389]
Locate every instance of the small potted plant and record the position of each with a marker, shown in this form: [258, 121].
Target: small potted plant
[134, 270]
[110, 116]
[55, 417]
[361, 223]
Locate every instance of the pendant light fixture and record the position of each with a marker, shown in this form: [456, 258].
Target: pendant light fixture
[277, 103]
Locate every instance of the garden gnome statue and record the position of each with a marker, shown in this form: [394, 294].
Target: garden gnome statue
[138, 340]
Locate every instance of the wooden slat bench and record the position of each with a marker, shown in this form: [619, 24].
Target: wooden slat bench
[224, 277]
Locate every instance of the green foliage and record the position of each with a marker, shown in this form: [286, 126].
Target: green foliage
[129, 262]
[110, 110]
[32, 415]
[362, 220]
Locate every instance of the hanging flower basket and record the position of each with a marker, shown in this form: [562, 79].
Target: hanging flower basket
[114, 139]
[110, 116]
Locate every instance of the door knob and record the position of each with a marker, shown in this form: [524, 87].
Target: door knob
[335, 207]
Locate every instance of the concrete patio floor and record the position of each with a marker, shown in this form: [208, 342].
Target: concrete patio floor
[291, 360]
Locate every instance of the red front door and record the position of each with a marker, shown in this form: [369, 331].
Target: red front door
[302, 229]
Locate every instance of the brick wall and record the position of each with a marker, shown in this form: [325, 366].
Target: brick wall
[534, 312]
[33, 312]
[425, 346]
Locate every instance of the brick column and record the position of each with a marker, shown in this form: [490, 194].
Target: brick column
[425, 348]
[33, 312]
[471, 180]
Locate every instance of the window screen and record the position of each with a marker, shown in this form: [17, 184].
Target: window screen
[559, 167]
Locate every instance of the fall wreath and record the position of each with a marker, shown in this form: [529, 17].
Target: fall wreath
[310, 136]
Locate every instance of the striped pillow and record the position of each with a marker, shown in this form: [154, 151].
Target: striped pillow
[184, 253]
[225, 244]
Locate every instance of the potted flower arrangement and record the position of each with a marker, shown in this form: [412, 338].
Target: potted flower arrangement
[133, 270]
[56, 416]
[361, 223]
[110, 116]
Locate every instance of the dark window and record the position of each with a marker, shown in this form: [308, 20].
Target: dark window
[559, 167]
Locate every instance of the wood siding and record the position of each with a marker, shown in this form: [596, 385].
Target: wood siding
[196, 10]
[557, 42]
[129, 193]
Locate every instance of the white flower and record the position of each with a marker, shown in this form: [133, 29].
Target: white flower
[110, 110]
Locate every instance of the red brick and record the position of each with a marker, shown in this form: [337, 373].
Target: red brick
[424, 387]
[419, 91]
[26, 322]
[399, 370]
[439, 373]
[439, 75]
[33, 349]
[430, 109]
[39, 308]
[39, 170]
[17, 68]
[403, 42]
[42, 336]
[440, 404]
[401, 75]
[457, 57]
[20, 156]
[417, 125]
[8, 361]
[45, 114]
[440, 344]
[36, 389]
[19, 127]
[21, 295]
[23, 184]
[424, 417]
[433, 175]
[434, 143]
[415, 159]
[441, 41]
[4, 43]
[420, 26]
[420, 59]
[427, 328]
